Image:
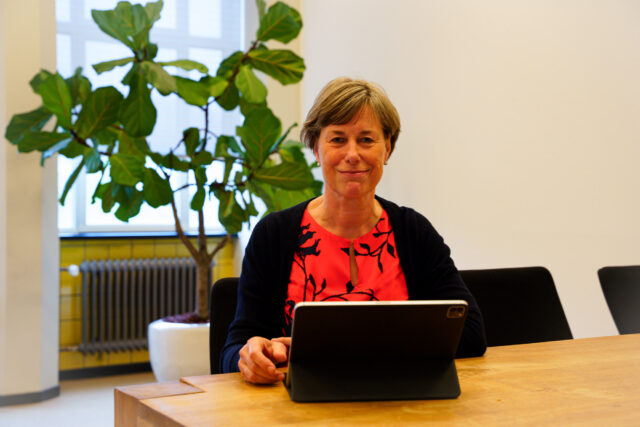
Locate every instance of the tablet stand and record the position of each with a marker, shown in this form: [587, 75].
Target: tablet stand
[352, 380]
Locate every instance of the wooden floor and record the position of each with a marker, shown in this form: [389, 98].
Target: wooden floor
[79, 401]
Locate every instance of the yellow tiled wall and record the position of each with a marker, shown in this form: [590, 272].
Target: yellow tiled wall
[77, 251]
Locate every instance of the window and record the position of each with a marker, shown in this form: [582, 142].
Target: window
[206, 31]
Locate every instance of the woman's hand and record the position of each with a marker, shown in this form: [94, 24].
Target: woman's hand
[259, 357]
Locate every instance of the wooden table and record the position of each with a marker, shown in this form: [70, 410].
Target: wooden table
[593, 381]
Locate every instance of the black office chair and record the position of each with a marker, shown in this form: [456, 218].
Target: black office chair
[519, 305]
[222, 310]
[621, 288]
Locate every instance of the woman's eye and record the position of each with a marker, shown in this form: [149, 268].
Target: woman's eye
[337, 140]
[367, 140]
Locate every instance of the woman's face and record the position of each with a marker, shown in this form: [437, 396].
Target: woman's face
[352, 155]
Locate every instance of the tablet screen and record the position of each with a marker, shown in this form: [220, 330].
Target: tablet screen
[377, 330]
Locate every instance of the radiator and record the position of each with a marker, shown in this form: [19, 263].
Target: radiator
[121, 297]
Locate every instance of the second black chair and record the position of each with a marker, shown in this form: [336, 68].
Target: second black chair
[621, 288]
[519, 305]
[222, 310]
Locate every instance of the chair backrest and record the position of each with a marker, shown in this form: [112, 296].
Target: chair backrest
[519, 305]
[222, 310]
[621, 288]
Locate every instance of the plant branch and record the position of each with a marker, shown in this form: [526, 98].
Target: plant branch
[202, 239]
[192, 250]
[183, 187]
[219, 246]
[83, 141]
[177, 145]
[206, 127]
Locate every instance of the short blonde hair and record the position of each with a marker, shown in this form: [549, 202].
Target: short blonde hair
[340, 100]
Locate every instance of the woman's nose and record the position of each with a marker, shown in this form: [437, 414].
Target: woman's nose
[352, 155]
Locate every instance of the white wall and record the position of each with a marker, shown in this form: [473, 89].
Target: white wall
[29, 249]
[521, 137]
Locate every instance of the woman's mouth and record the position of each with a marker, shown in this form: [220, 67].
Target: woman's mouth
[353, 172]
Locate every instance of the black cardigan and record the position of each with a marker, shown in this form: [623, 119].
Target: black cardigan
[425, 259]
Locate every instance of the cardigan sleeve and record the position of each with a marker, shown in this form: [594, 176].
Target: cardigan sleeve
[256, 310]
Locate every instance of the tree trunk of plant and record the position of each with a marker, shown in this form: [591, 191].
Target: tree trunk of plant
[203, 284]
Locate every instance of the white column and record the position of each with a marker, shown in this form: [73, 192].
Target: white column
[29, 249]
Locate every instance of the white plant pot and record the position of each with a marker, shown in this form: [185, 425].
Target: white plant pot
[178, 350]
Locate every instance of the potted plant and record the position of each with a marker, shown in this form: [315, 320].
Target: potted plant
[107, 131]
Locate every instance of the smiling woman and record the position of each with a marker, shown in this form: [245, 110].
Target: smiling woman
[345, 245]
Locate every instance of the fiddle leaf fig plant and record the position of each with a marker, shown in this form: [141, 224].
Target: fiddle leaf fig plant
[107, 131]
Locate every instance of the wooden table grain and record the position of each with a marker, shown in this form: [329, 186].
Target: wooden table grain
[592, 381]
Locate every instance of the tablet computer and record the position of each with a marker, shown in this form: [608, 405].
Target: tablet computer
[375, 350]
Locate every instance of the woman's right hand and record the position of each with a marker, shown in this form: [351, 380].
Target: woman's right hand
[259, 357]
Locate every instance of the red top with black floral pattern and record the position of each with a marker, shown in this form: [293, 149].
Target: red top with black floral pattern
[321, 267]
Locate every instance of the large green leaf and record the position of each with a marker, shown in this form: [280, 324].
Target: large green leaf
[202, 158]
[57, 98]
[72, 178]
[106, 136]
[38, 79]
[290, 176]
[99, 111]
[229, 164]
[186, 64]
[191, 138]
[217, 85]
[126, 23]
[93, 161]
[225, 70]
[261, 5]
[158, 77]
[281, 23]
[129, 200]
[115, 23]
[60, 145]
[283, 199]
[40, 141]
[252, 89]
[126, 169]
[101, 67]
[79, 87]
[197, 202]
[149, 52]
[276, 199]
[259, 132]
[282, 138]
[291, 151]
[264, 192]
[229, 98]
[283, 65]
[230, 213]
[193, 92]
[138, 114]
[106, 193]
[153, 10]
[227, 146]
[26, 122]
[157, 191]
[201, 176]
[170, 161]
[130, 145]
[247, 107]
[74, 149]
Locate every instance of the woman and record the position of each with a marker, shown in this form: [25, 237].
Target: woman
[346, 244]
